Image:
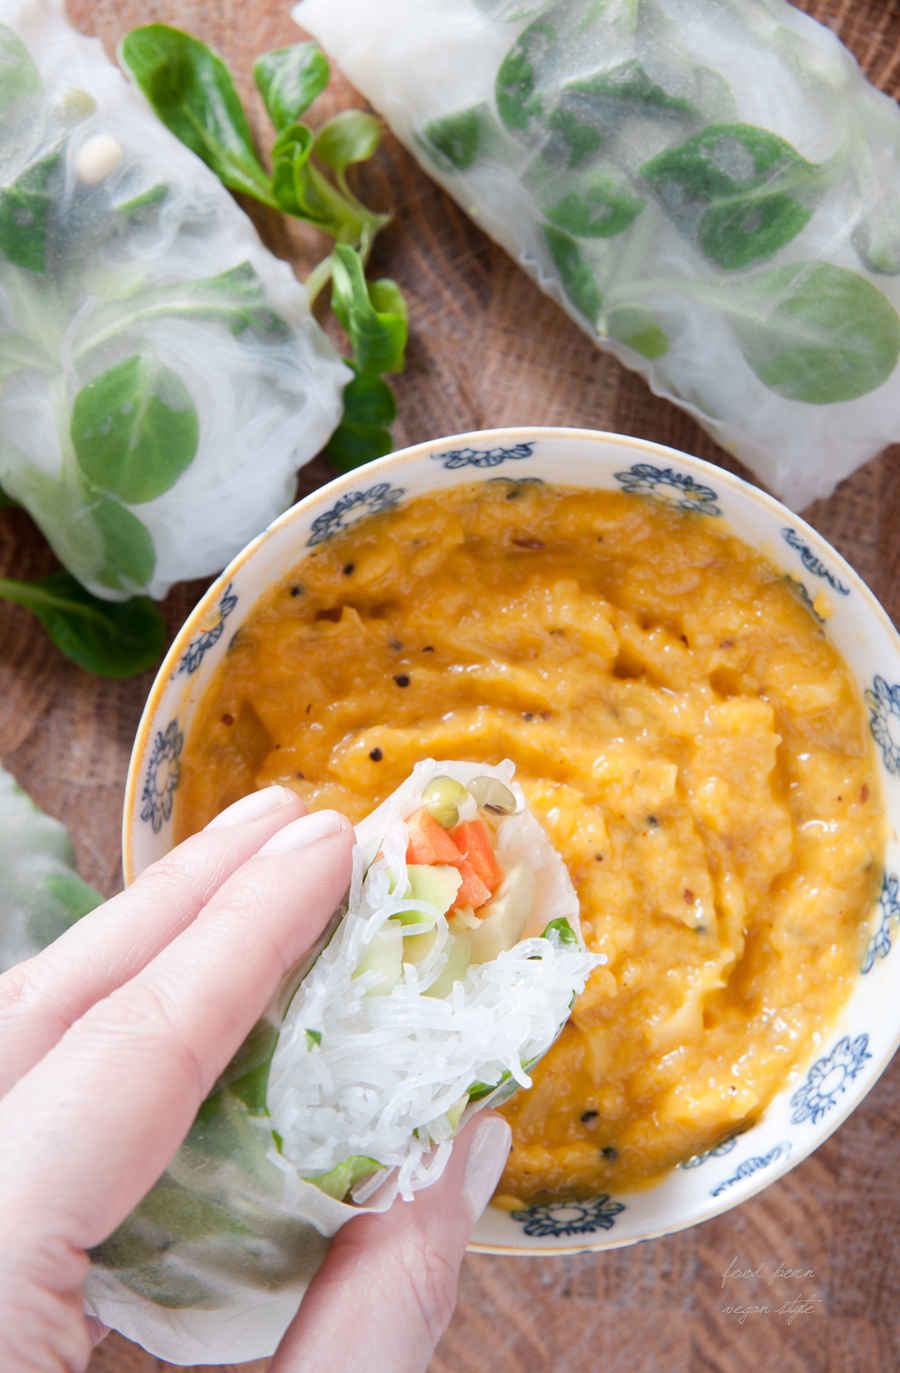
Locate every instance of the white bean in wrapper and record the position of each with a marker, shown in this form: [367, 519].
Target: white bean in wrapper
[162, 375]
[710, 188]
[359, 1076]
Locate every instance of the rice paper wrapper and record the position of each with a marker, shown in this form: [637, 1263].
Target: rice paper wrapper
[710, 188]
[212, 1265]
[162, 375]
[41, 894]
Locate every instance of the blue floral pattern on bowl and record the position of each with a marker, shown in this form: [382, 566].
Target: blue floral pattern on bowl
[666, 484]
[811, 562]
[828, 1079]
[163, 776]
[483, 457]
[718, 1152]
[752, 1165]
[795, 585]
[880, 943]
[198, 647]
[884, 707]
[570, 1217]
[352, 507]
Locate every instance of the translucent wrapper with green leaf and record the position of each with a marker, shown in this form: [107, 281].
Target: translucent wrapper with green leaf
[417, 1008]
[162, 376]
[709, 187]
[41, 894]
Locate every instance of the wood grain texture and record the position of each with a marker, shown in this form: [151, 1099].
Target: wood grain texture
[488, 349]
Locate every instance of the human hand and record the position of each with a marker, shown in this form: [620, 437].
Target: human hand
[111, 1038]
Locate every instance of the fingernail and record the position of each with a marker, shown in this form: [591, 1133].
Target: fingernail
[299, 834]
[486, 1160]
[251, 807]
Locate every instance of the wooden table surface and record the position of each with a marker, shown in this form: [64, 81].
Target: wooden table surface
[486, 348]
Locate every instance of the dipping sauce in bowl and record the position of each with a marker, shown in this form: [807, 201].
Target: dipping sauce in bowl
[694, 745]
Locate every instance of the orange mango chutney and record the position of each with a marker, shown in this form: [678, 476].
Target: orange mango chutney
[682, 727]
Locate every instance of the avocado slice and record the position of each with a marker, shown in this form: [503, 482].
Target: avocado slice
[436, 883]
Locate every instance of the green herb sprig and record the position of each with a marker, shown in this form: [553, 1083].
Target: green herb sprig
[193, 93]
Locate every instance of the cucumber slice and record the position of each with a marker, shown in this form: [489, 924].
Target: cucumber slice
[384, 956]
[459, 950]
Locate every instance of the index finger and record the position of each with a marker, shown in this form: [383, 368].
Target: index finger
[42, 997]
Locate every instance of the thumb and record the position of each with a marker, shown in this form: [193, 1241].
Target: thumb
[387, 1289]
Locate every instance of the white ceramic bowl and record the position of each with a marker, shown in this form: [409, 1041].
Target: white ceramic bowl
[821, 1093]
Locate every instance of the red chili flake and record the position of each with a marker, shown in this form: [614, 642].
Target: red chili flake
[726, 643]
[227, 719]
[864, 793]
[526, 541]
[689, 896]
[301, 775]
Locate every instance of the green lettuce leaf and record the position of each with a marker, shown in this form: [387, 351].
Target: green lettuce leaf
[749, 178]
[134, 429]
[372, 314]
[192, 91]
[111, 638]
[362, 435]
[815, 332]
[289, 79]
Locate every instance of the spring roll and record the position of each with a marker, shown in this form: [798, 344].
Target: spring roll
[448, 971]
[162, 375]
[710, 188]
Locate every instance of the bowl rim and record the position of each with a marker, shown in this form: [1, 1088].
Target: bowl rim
[514, 434]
